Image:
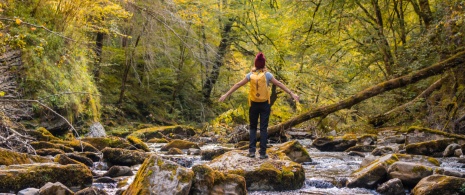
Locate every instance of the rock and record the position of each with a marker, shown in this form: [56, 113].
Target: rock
[78, 145]
[57, 126]
[49, 151]
[105, 180]
[335, 143]
[172, 132]
[56, 188]
[157, 140]
[450, 150]
[391, 187]
[42, 134]
[91, 191]
[96, 130]
[375, 172]
[193, 151]
[429, 148]
[458, 153]
[8, 157]
[269, 174]
[29, 191]
[361, 148]
[82, 159]
[181, 144]
[209, 181]
[117, 156]
[46, 145]
[439, 184]
[65, 160]
[91, 155]
[112, 142]
[174, 151]
[139, 144]
[213, 153]
[381, 151]
[159, 176]
[17, 177]
[355, 153]
[449, 172]
[294, 150]
[409, 173]
[116, 171]
[367, 139]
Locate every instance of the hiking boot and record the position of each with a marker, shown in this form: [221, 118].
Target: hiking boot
[251, 155]
[263, 156]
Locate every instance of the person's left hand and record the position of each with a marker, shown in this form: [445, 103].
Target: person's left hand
[222, 98]
[295, 96]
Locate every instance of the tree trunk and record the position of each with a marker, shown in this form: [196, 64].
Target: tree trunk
[395, 83]
[98, 54]
[219, 60]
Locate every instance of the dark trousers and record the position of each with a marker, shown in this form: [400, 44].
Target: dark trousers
[259, 110]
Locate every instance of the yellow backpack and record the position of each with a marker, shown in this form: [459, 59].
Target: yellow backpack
[258, 87]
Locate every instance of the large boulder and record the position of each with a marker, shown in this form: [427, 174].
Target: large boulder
[391, 187]
[172, 132]
[96, 130]
[429, 148]
[209, 181]
[331, 143]
[376, 171]
[262, 174]
[439, 184]
[117, 156]
[409, 173]
[8, 157]
[56, 188]
[294, 150]
[159, 176]
[18, 177]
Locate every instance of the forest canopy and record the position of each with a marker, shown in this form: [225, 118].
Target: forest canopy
[168, 61]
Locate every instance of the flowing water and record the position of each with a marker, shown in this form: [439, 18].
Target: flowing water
[326, 174]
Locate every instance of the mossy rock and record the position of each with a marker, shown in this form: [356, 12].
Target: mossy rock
[337, 144]
[174, 151]
[169, 177]
[138, 143]
[8, 157]
[361, 148]
[65, 160]
[173, 132]
[112, 142]
[95, 157]
[209, 181]
[429, 148]
[211, 154]
[49, 151]
[273, 174]
[157, 140]
[440, 184]
[367, 139]
[294, 150]
[410, 173]
[45, 145]
[42, 134]
[82, 159]
[118, 156]
[373, 174]
[78, 145]
[181, 144]
[18, 177]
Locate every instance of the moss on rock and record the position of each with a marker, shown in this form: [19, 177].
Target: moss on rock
[209, 181]
[294, 150]
[138, 143]
[45, 145]
[8, 157]
[429, 148]
[78, 145]
[173, 132]
[157, 140]
[118, 156]
[181, 144]
[18, 177]
[112, 142]
[42, 134]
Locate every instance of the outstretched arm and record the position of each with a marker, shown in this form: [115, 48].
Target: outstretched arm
[233, 89]
[282, 86]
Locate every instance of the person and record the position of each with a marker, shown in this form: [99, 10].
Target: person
[258, 108]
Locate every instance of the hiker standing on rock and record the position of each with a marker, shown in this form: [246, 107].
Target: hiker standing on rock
[259, 102]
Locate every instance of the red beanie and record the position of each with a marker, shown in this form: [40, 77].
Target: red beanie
[260, 61]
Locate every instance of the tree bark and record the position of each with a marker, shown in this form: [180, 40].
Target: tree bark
[98, 54]
[395, 83]
[219, 60]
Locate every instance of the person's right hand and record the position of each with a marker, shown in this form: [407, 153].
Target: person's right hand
[295, 96]
[222, 98]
